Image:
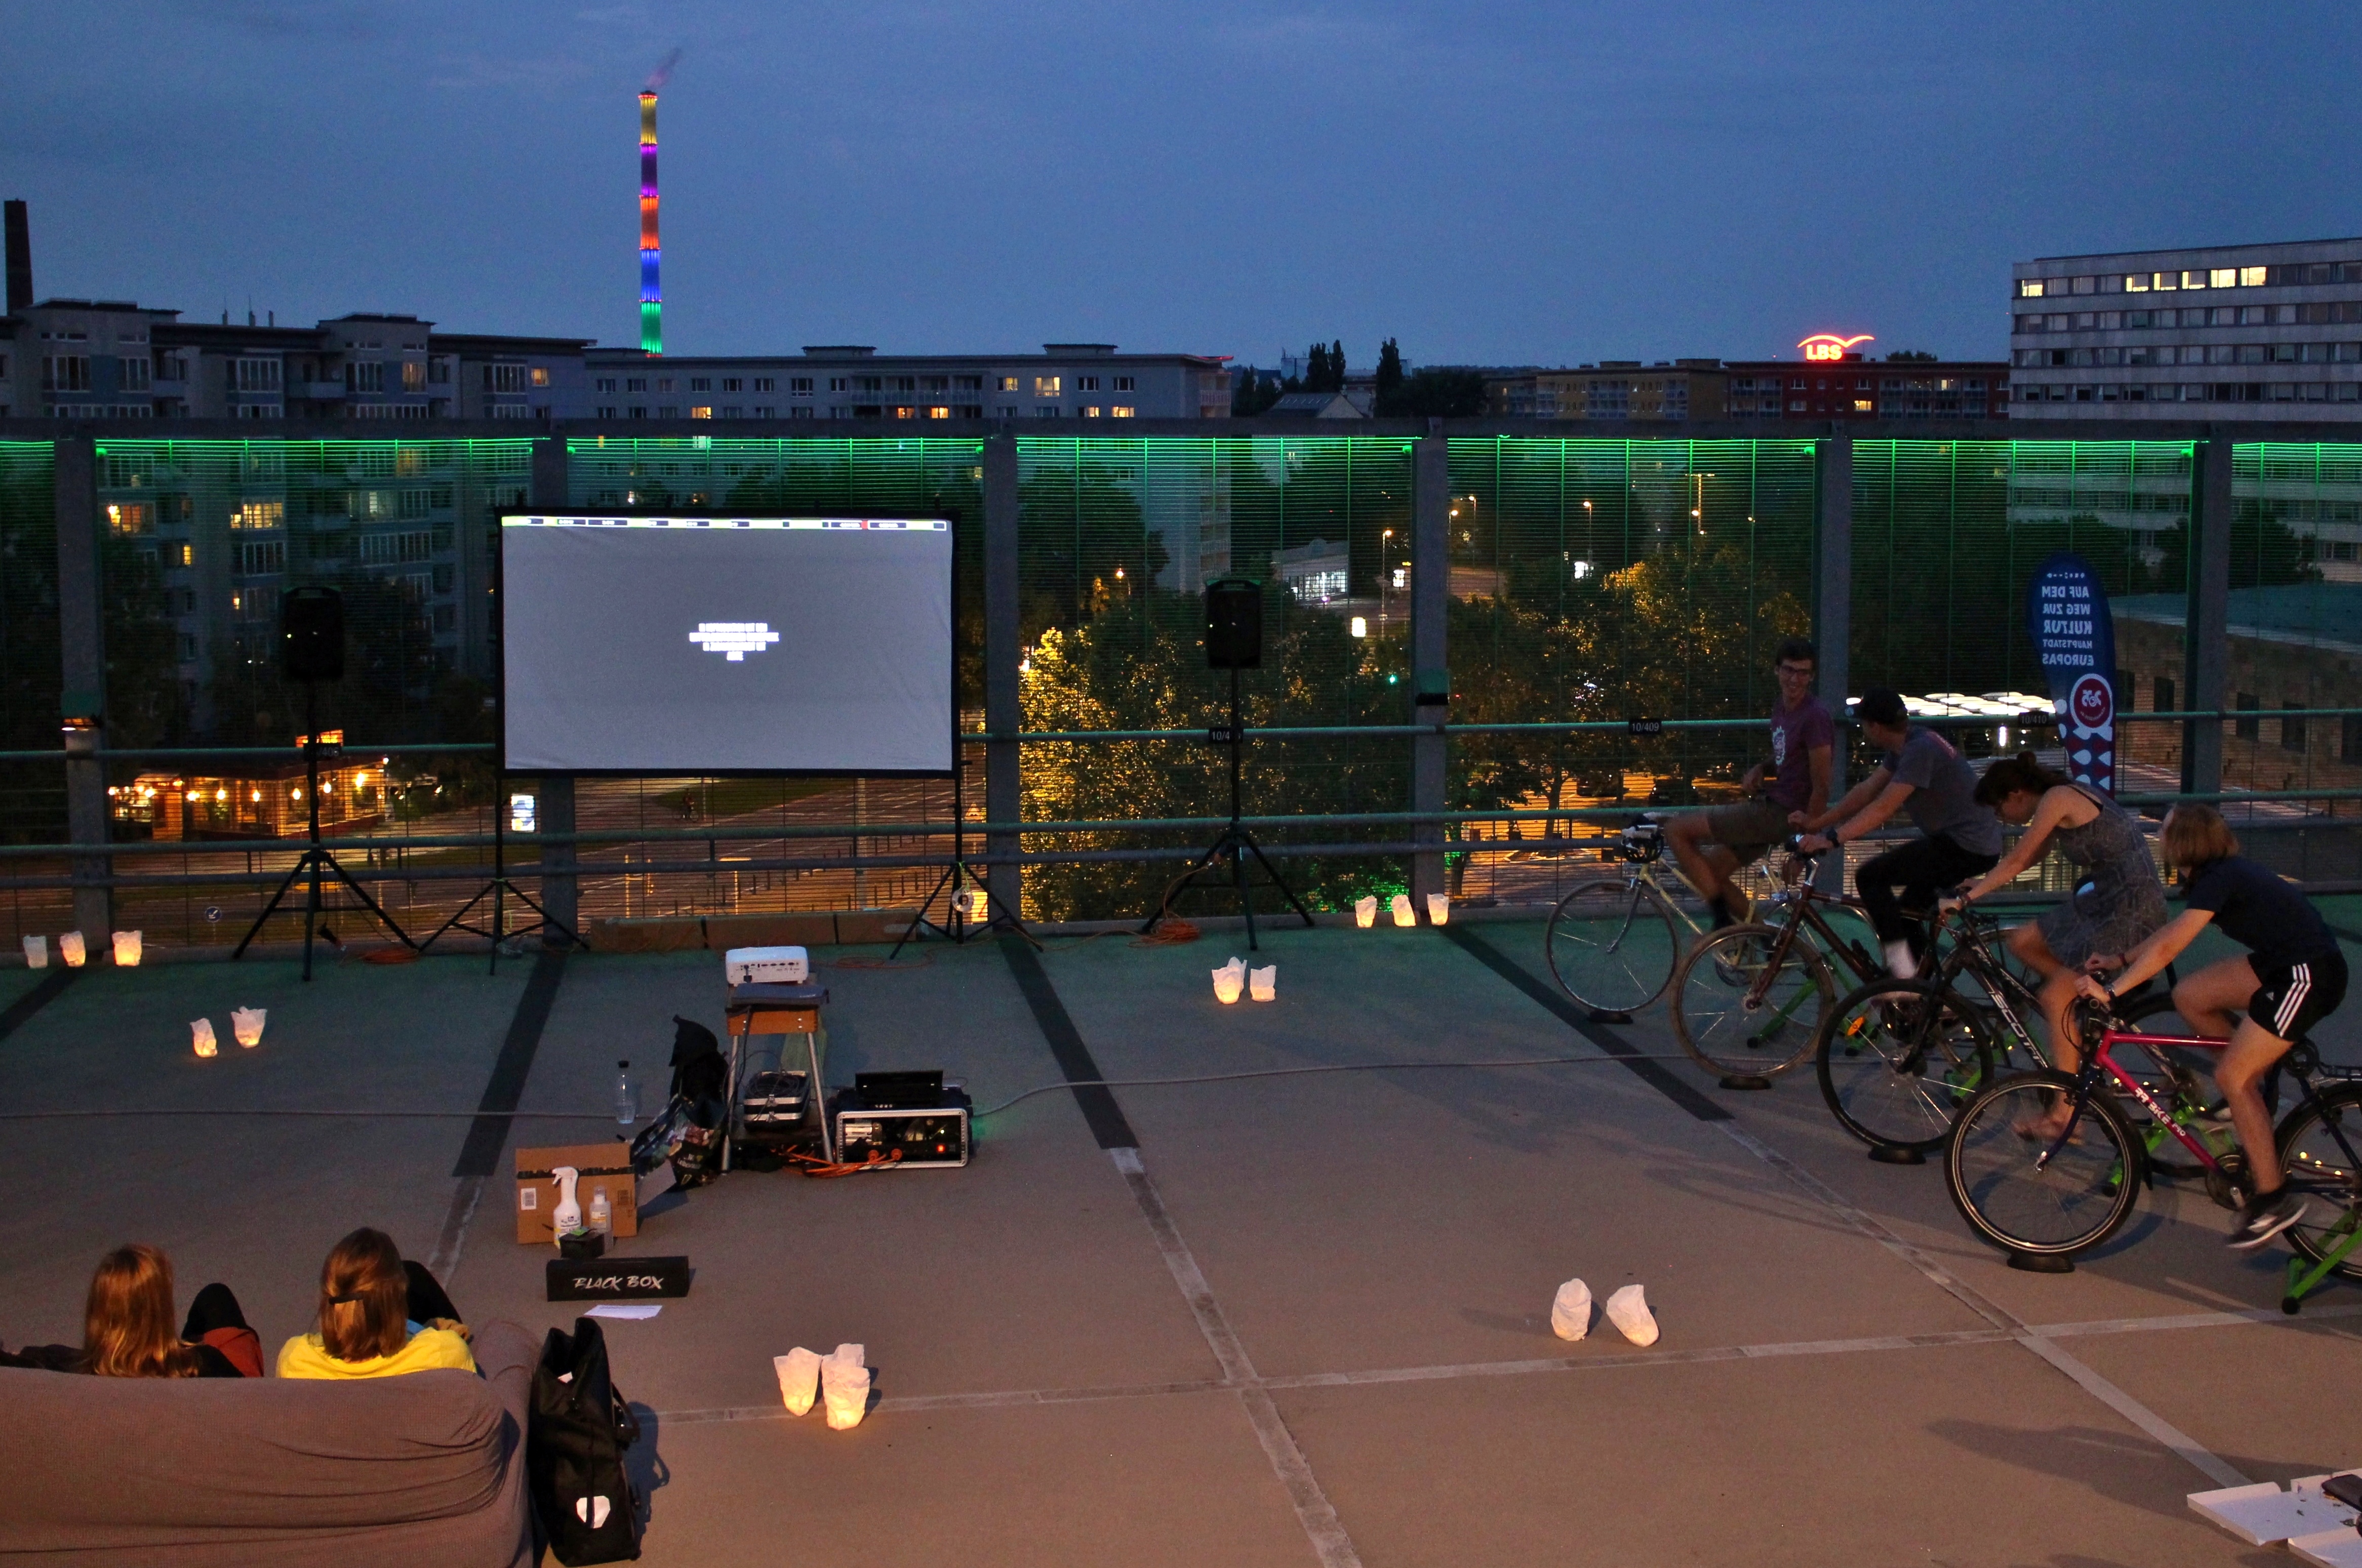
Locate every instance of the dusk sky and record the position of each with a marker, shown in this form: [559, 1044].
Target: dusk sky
[1489, 184]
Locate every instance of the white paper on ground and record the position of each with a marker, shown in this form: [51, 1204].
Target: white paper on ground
[845, 1386]
[2330, 1549]
[798, 1373]
[628, 1310]
[1262, 984]
[1571, 1310]
[2262, 1513]
[1628, 1310]
[245, 1022]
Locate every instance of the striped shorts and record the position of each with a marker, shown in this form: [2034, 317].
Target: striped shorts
[2294, 996]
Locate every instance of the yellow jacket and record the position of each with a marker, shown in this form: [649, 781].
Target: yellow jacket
[428, 1350]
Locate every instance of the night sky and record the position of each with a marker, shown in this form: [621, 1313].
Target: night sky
[1489, 184]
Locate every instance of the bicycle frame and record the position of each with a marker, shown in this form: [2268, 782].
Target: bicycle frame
[1804, 912]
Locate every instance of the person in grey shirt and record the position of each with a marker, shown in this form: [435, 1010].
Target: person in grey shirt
[1921, 773]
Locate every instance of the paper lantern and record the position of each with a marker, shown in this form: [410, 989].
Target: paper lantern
[71, 945]
[1365, 912]
[127, 950]
[37, 953]
[201, 1031]
[1403, 914]
[845, 1386]
[1439, 908]
[798, 1373]
[1229, 980]
[245, 1022]
[1263, 984]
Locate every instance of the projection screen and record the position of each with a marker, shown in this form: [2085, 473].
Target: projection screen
[726, 644]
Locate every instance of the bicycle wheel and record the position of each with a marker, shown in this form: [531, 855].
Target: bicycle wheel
[2015, 1198]
[2313, 1156]
[1736, 1014]
[1898, 1058]
[1611, 945]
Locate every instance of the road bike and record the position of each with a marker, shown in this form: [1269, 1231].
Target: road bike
[1749, 1000]
[1897, 1059]
[2049, 1197]
[1612, 940]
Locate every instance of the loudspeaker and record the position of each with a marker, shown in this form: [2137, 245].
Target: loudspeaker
[312, 634]
[1234, 625]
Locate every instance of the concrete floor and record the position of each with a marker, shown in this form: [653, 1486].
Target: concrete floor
[1306, 1322]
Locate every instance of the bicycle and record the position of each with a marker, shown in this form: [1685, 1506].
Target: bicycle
[1741, 994]
[1612, 942]
[2049, 1200]
[1897, 1059]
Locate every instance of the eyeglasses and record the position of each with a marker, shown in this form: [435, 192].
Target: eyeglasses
[1801, 670]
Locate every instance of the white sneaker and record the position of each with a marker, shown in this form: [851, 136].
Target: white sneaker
[1571, 1310]
[1628, 1310]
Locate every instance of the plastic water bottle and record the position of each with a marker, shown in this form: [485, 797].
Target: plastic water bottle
[627, 1095]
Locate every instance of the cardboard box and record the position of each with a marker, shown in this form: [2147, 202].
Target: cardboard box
[607, 1165]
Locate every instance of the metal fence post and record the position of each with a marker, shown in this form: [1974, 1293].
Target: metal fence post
[1003, 711]
[81, 637]
[1833, 608]
[561, 890]
[1430, 686]
[2206, 632]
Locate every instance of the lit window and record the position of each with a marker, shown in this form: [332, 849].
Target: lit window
[2029, 288]
[2252, 277]
[413, 375]
[1090, 414]
[1123, 410]
[130, 517]
[2164, 281]
[2137, 284]
[701, 411]
[263, 514]
[2223, 277]
[938, 411]
[1861, 405]
[1009, 383]
[541, 375]
[183, 554]
[2193, 279]
[1045, 386]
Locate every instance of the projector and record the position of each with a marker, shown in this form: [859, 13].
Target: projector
[767, 965]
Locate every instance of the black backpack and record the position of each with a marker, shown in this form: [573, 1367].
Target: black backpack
[574, 1451]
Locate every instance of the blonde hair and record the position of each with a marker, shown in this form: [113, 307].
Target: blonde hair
[2195, 834]
[364, 1298]
[126, 1322]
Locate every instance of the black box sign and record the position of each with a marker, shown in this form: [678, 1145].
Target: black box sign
[617, 1279]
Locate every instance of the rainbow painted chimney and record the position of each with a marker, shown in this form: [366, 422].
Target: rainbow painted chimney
[651, 293]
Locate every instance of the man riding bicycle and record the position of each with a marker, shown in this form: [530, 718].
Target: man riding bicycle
[1713, 844]
[1920, 772]
[2292, 976]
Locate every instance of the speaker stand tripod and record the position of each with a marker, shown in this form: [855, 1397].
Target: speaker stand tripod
[500, 889]
[997, 916]
[316, 859]
[1235, 845]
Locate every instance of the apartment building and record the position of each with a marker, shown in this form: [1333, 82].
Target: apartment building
[65, 358]
[1066, 380]
[2248, 331]
[1617, 389]
[1857, 387]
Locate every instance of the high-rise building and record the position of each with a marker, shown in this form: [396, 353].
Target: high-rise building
[2247, 331]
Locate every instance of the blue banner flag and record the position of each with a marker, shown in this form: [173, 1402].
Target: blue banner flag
[2074, 634]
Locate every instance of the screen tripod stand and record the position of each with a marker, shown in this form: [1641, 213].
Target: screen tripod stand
[311, 649]
[500, 889]
[1233, 642]
[962, 878]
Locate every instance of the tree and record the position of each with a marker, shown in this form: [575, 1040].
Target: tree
[1441, 394]
[1252, 393]
[1910, 356]
[1390, 377]
[1336, 367]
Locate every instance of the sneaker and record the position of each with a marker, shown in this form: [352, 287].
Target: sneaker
[2264, 1216]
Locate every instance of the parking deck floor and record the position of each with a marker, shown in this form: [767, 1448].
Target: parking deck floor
[1280, 1320]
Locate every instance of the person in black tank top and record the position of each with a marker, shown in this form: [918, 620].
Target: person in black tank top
[2292, 976]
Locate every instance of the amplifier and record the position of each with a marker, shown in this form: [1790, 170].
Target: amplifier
[934, 1135]
[774, 1102]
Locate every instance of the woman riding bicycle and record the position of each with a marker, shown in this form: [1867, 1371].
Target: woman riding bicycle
[2126, 903]
[2292, 976]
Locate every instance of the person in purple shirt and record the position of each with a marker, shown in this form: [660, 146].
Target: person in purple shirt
[1712, 844]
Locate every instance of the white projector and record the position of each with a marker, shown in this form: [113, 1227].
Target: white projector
[767, 965]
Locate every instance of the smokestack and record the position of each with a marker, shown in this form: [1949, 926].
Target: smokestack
[651, 293]
[20, 258]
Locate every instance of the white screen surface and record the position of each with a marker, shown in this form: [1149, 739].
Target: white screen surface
[683, 644]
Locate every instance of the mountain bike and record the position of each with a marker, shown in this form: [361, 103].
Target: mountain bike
[1897, 1059]
[1749, 1000]
[2051, 1197]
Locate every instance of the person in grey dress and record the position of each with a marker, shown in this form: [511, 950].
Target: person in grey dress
[2124, 904]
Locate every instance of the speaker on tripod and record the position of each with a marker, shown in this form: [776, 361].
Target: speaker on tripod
[311, 650]
[1233, 642]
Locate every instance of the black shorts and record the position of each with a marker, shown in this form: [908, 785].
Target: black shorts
[2293, 998]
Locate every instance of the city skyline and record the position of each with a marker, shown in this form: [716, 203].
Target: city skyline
[1532, 185]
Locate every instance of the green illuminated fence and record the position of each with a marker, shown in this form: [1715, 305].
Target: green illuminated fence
[32, 799]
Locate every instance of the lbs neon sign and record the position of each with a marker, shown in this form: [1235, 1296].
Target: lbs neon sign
[1829, 346]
